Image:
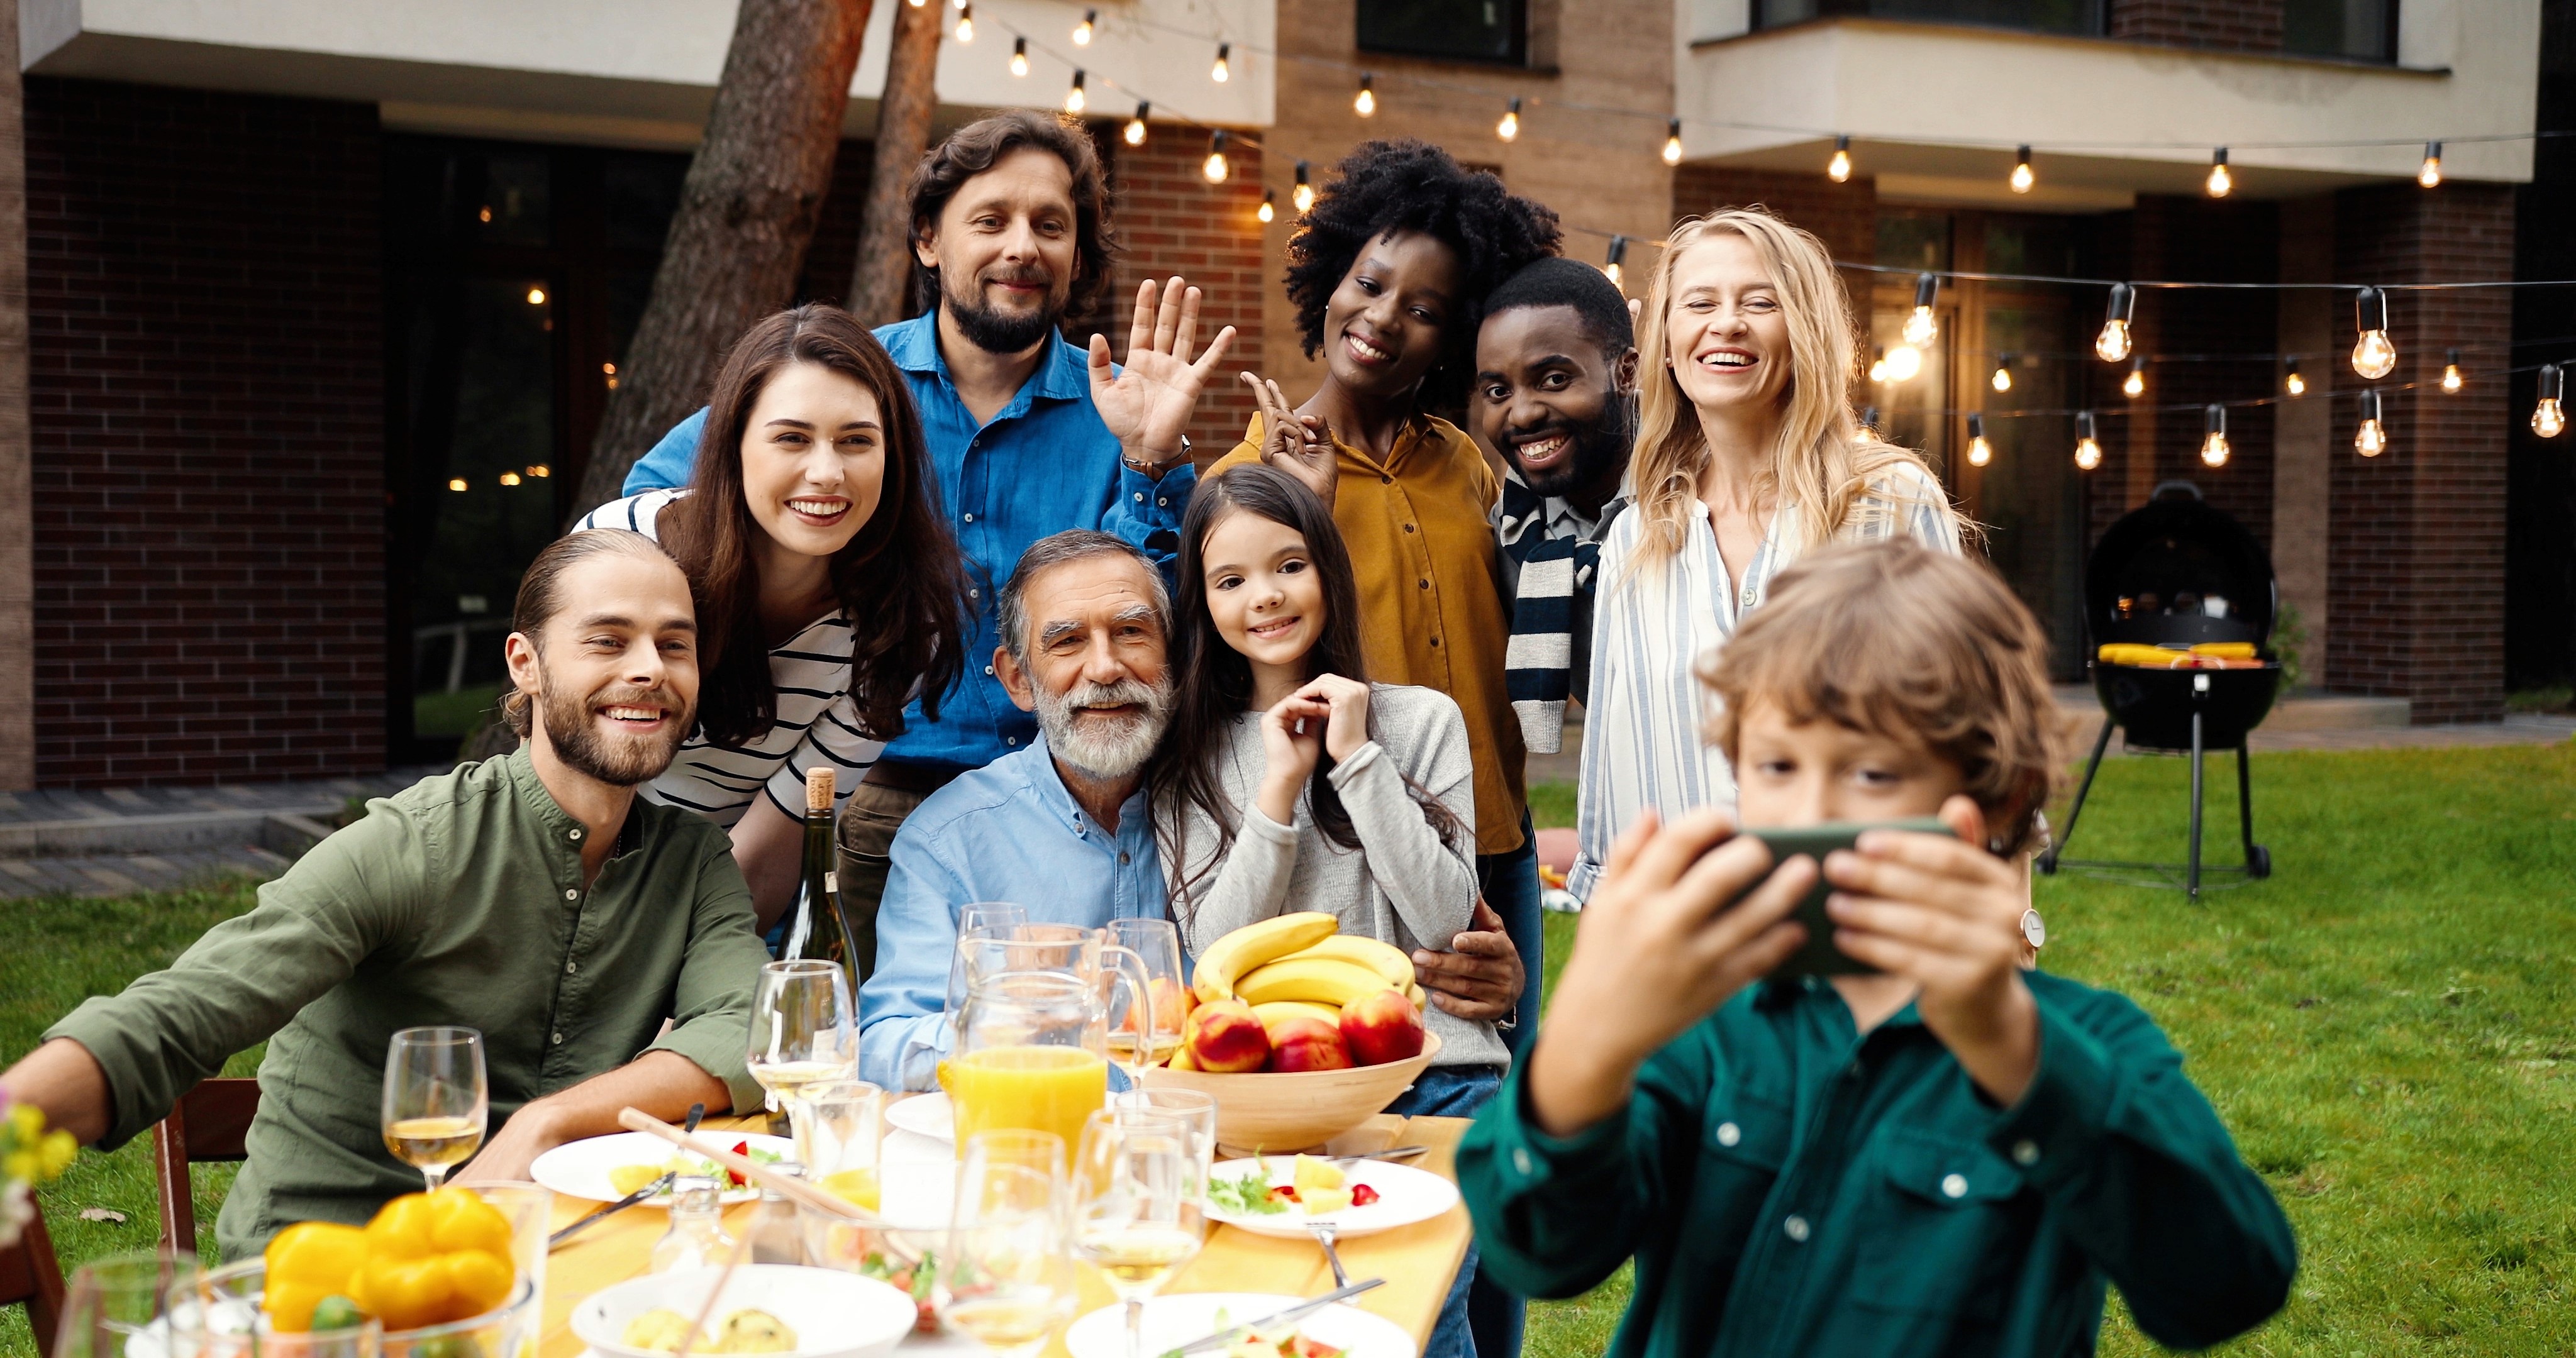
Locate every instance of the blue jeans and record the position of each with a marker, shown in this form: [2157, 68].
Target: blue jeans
[1509, 883]
[1479, 1320]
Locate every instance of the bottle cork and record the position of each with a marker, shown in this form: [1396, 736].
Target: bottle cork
[818, 790]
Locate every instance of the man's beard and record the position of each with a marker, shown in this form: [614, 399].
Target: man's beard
[1112, 754]
[619, 761]
[996, 331]
[1595, 450]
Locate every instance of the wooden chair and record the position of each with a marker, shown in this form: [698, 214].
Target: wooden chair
[29, 1273]
[208, 1124]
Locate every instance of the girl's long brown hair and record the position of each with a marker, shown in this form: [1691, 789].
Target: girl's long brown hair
[900, 581]
[1215, 684]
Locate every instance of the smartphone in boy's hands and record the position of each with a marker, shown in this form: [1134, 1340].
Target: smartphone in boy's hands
[1818, 956]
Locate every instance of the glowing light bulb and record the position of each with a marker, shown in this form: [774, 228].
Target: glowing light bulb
[1082, 31]
[1920, 326]
[1222, 70]
[1510, 126]
[1615, 262]
[1269, 207]
[965, 23]
[1214, 167]
[2088, 450]
[2430, 175]
[2220, 181]
[540, 471]
[2547, 419]
[2135, 384]
[1878, 369]
[2002, 380]
[509, 478]
[2213, 447]
[1364, 103]
[1673, 141]
[2294, 383]
[1838, 169]
[456, 483]
[2373, 356]
[2022, 177]
[1136, 124]
[1903, 362]
[1019, 56]
[536, 296]
[2112, 344]
[1073, 98]
[2372, 439]
[1303, 195]
[1980, 452]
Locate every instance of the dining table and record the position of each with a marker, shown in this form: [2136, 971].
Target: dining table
[1419, 1263]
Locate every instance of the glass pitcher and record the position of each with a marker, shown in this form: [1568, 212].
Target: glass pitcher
[1033, 1036]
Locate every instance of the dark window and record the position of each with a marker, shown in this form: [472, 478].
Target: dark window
[2357, 30]
[1461, 30]
[2039, 16]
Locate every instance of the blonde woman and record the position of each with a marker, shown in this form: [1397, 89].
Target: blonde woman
[1748, 455]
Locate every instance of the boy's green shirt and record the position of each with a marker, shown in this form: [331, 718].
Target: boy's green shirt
[1787, 1185]
[458, 900]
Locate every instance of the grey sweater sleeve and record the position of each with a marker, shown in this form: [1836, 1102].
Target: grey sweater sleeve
[1431, 885]
[1251, 886]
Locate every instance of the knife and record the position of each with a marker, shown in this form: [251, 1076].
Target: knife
[1290, 1316]
[696, 1112]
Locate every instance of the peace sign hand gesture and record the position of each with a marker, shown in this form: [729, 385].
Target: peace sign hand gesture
[1300, 445]
[1147, 402]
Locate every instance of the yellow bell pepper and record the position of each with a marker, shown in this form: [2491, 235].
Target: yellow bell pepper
[307, 1262]
[433, 1258]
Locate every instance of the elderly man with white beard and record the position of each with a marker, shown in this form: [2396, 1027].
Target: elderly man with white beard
[1060, 827]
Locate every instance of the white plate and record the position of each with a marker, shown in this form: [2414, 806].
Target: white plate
[1405, 1196]
[930, 1115]
[579, 1169]
[834, 1314]
[1176, 1320]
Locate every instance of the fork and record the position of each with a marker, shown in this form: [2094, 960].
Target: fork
[1324, 1236]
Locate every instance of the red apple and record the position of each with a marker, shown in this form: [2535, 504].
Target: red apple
[1308, 1044]
[1382, 1027]
[1225, 1036]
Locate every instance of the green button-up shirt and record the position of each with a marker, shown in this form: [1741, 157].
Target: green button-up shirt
[1790, 1186]
[456, 901]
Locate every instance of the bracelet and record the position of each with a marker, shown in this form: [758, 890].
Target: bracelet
[1156, 468]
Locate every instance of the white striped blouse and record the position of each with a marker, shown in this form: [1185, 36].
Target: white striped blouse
[1641, 729]
[817, 720]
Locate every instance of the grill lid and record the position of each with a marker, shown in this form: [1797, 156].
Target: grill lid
[2176, 570]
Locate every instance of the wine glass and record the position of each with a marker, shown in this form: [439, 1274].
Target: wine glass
[1138, 1214]
[800, 1028]
[437, 1100]
[1157, 946]
[982, 919]
[1010, 1280]
[144, 1303]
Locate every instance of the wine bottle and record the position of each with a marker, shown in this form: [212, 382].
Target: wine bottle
[815, 927]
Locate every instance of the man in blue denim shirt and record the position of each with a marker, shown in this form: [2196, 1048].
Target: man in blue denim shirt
[1028, 434]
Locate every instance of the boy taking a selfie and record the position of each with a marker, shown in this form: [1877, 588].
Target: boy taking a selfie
[1948, 1154]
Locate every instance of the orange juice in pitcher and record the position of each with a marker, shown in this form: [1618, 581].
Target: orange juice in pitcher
[1037, 1088]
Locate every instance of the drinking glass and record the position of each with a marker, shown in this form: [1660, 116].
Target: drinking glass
[436, 1099]
[801, 1032]
[1157, 946]
[1009, 1277]
[982, 919]
[1138, 1215]
[840, 1125]
[530, 1210]
[148, 1304]
[1191, 1108]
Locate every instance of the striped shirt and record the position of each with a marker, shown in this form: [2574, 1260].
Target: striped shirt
[817, 726]
[1641, 724]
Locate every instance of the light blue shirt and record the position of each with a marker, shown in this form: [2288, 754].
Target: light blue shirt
[1045, 464]
[1009, 831]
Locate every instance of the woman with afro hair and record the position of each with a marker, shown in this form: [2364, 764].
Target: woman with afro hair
[1389, 272]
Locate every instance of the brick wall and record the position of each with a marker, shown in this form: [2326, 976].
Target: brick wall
[2229, 25]
[204, 297]
[1843, 216]
[2416, 541]
[1171, 220]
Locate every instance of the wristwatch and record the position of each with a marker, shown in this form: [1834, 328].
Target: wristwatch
[1157, 468]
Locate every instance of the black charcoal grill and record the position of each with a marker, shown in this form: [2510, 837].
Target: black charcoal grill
[2176, 573]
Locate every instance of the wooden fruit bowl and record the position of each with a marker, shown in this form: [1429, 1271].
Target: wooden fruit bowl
[1277, 1112]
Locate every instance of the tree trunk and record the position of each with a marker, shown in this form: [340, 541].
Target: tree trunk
[883, 272]
[747, 212]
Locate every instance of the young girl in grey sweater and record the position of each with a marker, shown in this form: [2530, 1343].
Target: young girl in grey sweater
[1287, 781]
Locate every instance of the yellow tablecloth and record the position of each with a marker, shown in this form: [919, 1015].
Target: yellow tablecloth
[1418, 1262]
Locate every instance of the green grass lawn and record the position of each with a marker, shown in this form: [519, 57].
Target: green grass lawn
[2388, 1026]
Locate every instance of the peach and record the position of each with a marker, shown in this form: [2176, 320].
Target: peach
[1307, 1044]
[1382, 1027]
[1225, 1035]
[1171, 1007]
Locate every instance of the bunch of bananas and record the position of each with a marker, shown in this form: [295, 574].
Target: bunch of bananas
[1301, 959]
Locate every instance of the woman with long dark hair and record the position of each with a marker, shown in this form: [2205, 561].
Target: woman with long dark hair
[828, 590]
